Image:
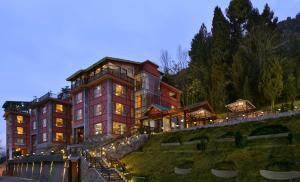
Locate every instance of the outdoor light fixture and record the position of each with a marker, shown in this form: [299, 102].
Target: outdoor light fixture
[33, 153]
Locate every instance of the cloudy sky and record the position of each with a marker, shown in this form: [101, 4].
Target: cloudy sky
[43, 42]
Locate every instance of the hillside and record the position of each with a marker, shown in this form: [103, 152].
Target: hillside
[157, 162]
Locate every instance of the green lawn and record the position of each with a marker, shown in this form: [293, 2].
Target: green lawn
[157, 163]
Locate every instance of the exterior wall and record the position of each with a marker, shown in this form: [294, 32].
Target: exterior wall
[51, 129]
[12, 135]
[93, 101]
[166, 99]
[128, 101]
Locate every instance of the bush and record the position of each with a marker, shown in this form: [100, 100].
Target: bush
[201, 138]
[290, 138]
[281, 166]
[239, 139]
[271, 129]
[225, 165]
[173, 138]
[201, 146]
[228, 134]
[186, 164]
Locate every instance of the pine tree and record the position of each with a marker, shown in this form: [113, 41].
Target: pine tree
[271, 83]
[220, 57]
[238, 13]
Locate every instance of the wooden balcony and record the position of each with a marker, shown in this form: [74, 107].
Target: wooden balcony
[107, 71]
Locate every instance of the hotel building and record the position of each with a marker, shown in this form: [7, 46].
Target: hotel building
[50, 121]
[16, 114]
[110, 97]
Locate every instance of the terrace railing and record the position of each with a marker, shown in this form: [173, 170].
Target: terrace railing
[113, 72]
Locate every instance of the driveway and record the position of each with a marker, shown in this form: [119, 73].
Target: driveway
[15, 179]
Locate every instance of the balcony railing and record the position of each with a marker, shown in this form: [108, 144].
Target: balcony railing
[114, 72]
[46, 96]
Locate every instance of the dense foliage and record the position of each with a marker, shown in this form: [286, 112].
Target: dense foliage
[268, 130]
[248, 54]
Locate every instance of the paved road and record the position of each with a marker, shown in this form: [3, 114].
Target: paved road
[15, 179]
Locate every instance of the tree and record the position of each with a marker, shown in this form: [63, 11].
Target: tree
[220, 56]
[271, 83]
[238, 13]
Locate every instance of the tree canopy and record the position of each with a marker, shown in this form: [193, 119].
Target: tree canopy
[247, 54]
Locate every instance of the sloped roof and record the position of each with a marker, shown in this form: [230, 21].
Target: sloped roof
[240, 105]
[101, 61]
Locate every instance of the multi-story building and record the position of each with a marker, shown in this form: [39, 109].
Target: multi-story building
[110, 96]
[17, 128]
[50, 121]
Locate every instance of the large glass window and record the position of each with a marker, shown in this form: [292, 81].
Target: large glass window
[44, 137]
[97, 91]
[172, 94]
[34, 125]
[138, 101]
[44, 123]
[19, 141]
[78, 114]
[97, 110]
[44, 110]
[59, 108]
[119, 90]
[98, 128]
[119, 128]
[20, 130]
[119, 109]
[78, 98]
[59, 122]
[59, 137]
[20, 119]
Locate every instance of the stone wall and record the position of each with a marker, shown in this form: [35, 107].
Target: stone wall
[89, 174]
[42, 171]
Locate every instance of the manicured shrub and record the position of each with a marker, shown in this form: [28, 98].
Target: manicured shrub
[225, 165]
[173, 138]
[239, 140]
[228, 134]
[290, 138]
[201, 138]
[271, 129]
[201, 146]
[186, 164]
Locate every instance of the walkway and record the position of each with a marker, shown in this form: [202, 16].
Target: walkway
[15, 179]
[235, 121]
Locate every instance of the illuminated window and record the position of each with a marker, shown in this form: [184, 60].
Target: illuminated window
[119, 109]
[97, 91]
[78, 98]
[20, 119]
[44, 137]
[78, 114]
[19, 141]
[118, 90]
[34, 125]
[172, 94]
[44, 123]
[20, 130]
[119, 128]
[98, 128]
[59, 108]
[97, 110]
[138, 101]
[59, 122]
[59, 137]
[44, 110]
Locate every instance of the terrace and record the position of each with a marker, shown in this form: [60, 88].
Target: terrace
[101, 72]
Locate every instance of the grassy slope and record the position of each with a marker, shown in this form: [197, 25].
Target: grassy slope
[157, 163]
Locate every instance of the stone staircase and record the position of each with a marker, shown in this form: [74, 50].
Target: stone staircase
[103, 164]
